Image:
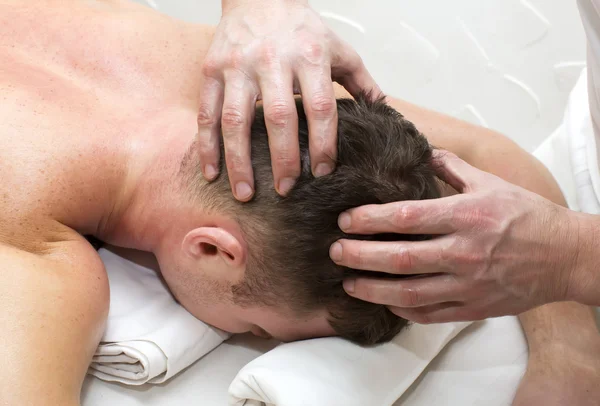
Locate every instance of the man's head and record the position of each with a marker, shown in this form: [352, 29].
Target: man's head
[264, 265]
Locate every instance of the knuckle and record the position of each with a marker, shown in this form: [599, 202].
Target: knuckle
[360, 216]
[207, 151]
[325, 148]
[479, 218]
[411, 298]
[235, 163]
[401, 260]
[468, 257]
[365, 292]
[211, 67]
[447, 256]
[453, 216]
[236, 59]
[279, 113]
[356, 257]
[268, 54]
[285, 161]
[473, 215]
[233, 118]
[405, 215]
[313, 52]
[206, 118]
[322, 105]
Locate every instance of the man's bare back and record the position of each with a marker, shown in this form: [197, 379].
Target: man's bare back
[76, 79]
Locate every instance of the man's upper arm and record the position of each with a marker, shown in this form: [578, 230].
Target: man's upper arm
[483, 148]
[53, 313]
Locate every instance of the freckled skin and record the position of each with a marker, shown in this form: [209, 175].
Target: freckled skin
[71, 90]
[79, 80]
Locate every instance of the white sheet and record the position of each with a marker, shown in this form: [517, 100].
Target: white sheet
[486, 358]
[332, 371]
[149, 337]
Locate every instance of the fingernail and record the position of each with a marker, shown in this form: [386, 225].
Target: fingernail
[345, 221]
[285, 185]
[349, 285]
[243, 190]
[323, 169]
[210, 172]
[335, 251]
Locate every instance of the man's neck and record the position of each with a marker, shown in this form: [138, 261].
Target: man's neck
[152, 196]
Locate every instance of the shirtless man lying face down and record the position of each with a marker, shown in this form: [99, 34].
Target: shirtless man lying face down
[97, 131]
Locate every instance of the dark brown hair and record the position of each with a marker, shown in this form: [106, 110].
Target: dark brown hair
[382, 158]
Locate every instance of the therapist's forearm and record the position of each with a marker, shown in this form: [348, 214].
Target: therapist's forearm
[560, 324]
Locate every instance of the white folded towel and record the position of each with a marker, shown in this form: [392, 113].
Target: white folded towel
[332, 371]
[149, 337]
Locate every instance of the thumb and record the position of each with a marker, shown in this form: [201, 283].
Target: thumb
[456, 172]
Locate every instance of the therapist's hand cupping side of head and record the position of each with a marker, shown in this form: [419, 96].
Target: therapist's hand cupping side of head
[497, 250]
[267, 49]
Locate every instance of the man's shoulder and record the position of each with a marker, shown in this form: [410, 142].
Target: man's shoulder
[71, 268]
[60, 250]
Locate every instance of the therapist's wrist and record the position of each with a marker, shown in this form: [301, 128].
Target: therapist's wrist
[228, 5]
[583, 250]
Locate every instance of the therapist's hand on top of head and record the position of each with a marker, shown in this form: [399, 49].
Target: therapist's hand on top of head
[265, 49]
[498, 250]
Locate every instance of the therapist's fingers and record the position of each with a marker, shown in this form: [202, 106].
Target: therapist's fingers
[457, 173]
[432, 216]
[320, 106]
[437, 313]
[209, 122]
[393, 257]
[406, 293]
[349, 70]
[281, 118]
[238, 111]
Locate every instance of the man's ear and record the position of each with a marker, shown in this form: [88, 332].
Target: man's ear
[205, 242]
